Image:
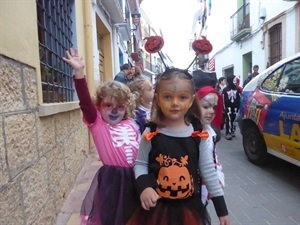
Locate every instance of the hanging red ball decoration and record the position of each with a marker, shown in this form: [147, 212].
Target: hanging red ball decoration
[202, 46]
[154, 44]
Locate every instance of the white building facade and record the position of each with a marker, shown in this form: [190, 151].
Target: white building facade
[248, 32]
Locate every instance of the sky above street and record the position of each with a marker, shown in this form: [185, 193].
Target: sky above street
[175, 18]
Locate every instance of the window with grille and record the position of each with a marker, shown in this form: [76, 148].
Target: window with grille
[55, 33]
[275, 43]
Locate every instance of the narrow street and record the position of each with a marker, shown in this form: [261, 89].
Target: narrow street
[268, 195]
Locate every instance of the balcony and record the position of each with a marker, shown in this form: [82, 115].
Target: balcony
[124, 30]
[240, 23]
[149, 70]
[114, 9]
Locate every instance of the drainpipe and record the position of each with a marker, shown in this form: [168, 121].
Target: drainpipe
[88, 40]
[89, 62]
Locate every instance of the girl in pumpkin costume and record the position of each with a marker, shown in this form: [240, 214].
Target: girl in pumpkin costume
[168, 162]
[111, 197]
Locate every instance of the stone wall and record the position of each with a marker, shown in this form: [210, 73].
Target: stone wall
[40, 157]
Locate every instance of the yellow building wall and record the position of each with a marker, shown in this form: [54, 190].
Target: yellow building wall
[42, 146]
[18, 29]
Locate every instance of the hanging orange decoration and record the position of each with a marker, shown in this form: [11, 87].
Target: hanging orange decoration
[202, 46]
[154, 44]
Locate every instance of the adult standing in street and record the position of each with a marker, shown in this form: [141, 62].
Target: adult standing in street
[125, 75]
[252, 75]
[221, 84]
[137, 73]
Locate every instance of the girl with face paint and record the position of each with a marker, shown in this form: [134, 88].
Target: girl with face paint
[210, 105]
[169, 159]
[111, 197]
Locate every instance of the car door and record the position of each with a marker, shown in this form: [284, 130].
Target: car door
[281, 125]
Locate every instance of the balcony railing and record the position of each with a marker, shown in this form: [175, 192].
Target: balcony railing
[240, 23]
[149, 66]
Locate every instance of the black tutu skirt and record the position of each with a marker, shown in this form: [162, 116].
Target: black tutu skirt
[173, 212]
[111, 198]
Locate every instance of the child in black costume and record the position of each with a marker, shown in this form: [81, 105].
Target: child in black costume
[168, 162]
[231, 100]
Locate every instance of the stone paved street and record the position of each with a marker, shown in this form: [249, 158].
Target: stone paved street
[255, 195]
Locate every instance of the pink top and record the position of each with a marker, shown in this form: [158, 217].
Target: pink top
[117, 145]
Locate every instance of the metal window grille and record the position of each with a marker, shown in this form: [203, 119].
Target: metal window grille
[55, 35]
[275, 44]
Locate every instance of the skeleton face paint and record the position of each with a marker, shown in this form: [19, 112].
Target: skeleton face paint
[112, 112]
[207, 107]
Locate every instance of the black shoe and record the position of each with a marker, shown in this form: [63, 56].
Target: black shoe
[228, 136]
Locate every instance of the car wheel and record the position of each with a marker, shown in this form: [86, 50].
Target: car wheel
[254, 146]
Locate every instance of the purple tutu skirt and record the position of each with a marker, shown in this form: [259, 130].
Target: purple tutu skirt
[111, 198]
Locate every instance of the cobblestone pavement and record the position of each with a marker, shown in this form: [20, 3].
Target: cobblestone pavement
[268, 195]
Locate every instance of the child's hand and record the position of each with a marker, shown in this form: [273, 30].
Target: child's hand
[224, 220]
[149, 198]
[76, 62]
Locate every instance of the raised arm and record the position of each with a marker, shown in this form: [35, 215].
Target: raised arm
[85, 101]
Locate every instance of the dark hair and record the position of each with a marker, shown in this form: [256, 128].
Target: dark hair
[126, 66]
[170, 73]
[255, 66]
[204, 78]
[221, 79]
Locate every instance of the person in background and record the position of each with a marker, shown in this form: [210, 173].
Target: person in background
[111, 197]
[252, 75]
[238, 81]
[169, 159]
[210, 105]
[206, 78]
[137, 72]
[144, 91]
[231, 100]
[124, 76]
[221, 84]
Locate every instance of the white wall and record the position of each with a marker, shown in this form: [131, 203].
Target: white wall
[227, 52]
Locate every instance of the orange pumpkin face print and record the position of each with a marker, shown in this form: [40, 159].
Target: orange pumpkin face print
[174, 180]
[154, 44]
[202, 46]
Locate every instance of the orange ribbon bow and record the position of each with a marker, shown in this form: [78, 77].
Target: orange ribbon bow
[150, 135]
[204, 134]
